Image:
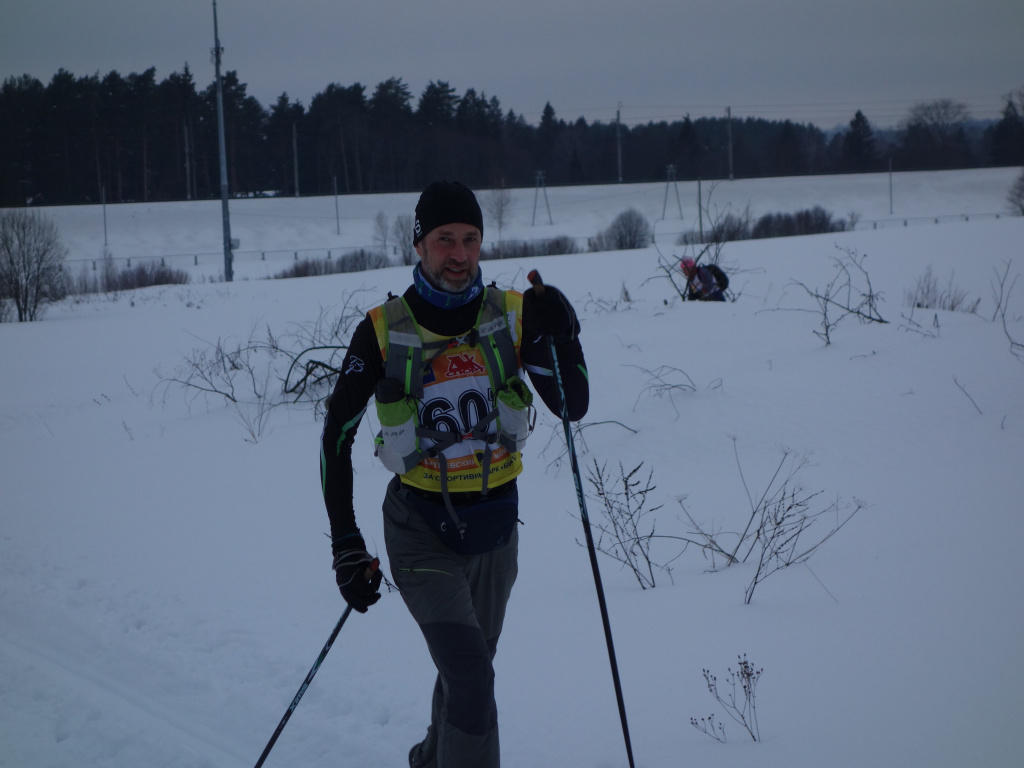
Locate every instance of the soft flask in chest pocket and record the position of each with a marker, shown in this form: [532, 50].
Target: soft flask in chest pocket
[516, 414]
[396, 443]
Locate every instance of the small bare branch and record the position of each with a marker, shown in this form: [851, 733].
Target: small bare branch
[962, 389]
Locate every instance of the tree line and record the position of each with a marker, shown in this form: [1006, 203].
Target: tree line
[134, 138]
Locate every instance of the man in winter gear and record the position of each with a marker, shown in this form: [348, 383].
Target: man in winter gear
[704, 283]
[444, 361]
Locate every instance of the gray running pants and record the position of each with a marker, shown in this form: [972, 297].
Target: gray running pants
[459, 603]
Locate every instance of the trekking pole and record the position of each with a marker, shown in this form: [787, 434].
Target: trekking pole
[538, 287]
[309, 678]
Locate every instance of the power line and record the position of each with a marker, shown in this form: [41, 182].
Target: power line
[825, 113]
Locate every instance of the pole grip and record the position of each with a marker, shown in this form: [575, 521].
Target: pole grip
[535, 281]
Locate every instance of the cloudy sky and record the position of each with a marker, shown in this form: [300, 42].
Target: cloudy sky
[807, 60]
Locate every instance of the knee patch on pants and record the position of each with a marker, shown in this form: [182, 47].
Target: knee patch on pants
[463, 659]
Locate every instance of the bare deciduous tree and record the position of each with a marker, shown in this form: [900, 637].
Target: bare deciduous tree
[1015, 198]
[402, 232]
[629, 230]
[381, 232]
[943, 117]
[31, 262]
[499, 205]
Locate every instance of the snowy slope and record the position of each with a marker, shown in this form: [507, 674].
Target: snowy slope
[165, 582]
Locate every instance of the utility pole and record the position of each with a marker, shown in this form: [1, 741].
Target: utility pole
[618, 138]
[188, 163]
[295, 157]
[728, 124]
[670, 180]
[540, 185]
[337, 217]
[102, 198]
[700, 209]
[890, 186]
[228, 256]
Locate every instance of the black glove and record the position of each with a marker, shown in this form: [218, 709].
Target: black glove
[352, 563]
[548, 313]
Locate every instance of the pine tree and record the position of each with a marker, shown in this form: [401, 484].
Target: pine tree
[859, 153]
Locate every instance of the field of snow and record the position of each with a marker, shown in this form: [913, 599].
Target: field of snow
[165, 580]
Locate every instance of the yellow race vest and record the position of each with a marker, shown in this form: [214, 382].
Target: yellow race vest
[450, 378]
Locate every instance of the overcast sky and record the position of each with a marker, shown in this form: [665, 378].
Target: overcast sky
[807, 60]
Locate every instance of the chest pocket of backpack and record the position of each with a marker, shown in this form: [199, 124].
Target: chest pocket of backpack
[397, 443]
[516, 414]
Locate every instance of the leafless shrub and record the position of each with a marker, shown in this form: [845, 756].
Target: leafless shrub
[111, 279]
[670, 270]
[775, 535]
[354, 261]
[622, 529]
[1016, 347]
[740, 705]
[706, 244]
[967, 394]
[910, 323]
[520, 249]
[1001, 291]
[264, 372]
[315, 351]
[848, 294]
[556, 439]
[928, 295]
[810, 221]
[1001, 295]
[599, 305]
[723, 226]
[667, 381]
[238, 372]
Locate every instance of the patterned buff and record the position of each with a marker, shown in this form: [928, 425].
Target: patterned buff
[443, 299]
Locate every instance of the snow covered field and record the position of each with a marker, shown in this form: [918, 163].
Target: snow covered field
[165, 581]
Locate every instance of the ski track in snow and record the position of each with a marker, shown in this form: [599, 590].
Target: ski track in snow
[121, 726]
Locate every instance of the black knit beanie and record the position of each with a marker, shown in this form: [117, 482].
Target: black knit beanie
[446, 202]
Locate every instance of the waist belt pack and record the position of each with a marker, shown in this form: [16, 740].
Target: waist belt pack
[482, 526]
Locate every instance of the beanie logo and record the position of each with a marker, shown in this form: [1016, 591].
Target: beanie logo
[418, 228]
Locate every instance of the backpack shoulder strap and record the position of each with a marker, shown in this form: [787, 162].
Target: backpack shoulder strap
[403, 350]
[495, 338]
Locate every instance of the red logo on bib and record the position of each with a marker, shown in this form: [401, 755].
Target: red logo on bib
[463, 365]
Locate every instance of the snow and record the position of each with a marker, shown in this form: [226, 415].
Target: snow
[165, 581]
